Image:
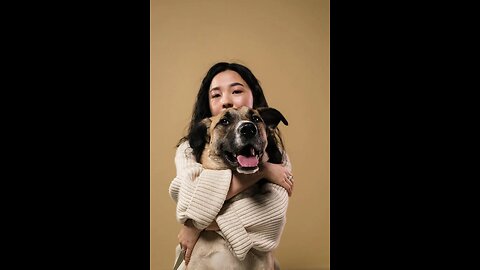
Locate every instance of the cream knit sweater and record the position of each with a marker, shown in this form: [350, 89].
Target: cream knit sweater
[245, 221]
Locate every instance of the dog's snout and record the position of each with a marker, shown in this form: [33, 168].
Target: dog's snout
[248, 130]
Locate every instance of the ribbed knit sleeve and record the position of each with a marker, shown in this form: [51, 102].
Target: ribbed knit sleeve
[199, 193]
[255, 221]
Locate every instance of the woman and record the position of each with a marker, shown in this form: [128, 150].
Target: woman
[203, 196]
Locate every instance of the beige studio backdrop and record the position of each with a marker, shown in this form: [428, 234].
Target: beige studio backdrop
[286, 44]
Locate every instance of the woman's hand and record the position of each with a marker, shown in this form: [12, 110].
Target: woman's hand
[275, 173]
[280, 175]
[187, 237]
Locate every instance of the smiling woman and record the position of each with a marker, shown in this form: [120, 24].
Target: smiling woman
[221, 186]
[228, 89]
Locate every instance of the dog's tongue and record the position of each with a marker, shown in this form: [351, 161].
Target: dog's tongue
[247, 161]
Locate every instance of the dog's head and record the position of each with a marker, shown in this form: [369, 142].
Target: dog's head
[236, 138]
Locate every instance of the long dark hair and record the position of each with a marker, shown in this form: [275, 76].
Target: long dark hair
[201, 109]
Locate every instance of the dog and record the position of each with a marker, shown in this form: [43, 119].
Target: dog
[237, 139]
[241, 140]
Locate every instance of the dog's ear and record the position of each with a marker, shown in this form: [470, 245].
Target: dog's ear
[273, 151]
[198, 137]
[271, 116]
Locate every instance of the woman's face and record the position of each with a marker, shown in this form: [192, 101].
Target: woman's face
[228, 89]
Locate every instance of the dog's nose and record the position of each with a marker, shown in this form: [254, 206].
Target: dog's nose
[248, 130]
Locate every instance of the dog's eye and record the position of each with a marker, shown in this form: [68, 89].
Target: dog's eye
[256, 119]
[224, 122]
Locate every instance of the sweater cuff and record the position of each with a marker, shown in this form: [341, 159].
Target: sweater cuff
[234, 232]
[208, 196]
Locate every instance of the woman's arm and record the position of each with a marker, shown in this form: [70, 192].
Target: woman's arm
[251, 222]
[256, 222]
[199, 193]
[275, 173]
[188, 237]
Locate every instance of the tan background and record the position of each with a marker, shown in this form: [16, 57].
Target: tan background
[287, 46]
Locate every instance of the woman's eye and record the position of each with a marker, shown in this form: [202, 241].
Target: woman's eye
[224, 122]
[237, 91]
[215, 95]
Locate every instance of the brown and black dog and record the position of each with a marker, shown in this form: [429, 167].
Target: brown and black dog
[237, 139]
[241, 140]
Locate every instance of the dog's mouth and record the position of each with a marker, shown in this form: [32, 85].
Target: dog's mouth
[246, 160]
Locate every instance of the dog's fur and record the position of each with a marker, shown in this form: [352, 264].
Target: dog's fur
[240, 140]
[214, 140]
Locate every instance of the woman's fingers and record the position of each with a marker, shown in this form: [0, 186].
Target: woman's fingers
[289, 181]
[188, 253]
[290, 178]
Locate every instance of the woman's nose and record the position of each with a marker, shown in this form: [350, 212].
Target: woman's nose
[226, 102]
